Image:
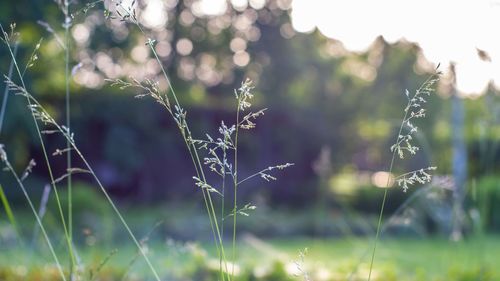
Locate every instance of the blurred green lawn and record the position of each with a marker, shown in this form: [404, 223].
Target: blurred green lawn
[326, 259]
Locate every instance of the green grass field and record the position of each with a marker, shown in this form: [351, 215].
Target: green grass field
[329, 259]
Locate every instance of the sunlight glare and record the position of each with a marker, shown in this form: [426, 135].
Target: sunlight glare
[154, 15]
[211, 7]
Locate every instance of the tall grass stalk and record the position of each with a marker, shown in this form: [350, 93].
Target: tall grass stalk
[6, 91]
[415, 195]
[40, 114]
[4, 159]
[67, 25]
[403, 145]
[180, 117]
[3, 197]
[42, 209]
[223, 199]
[235, 179]
[6, 40]
[143, 241]
[128, 14]
[64, 6]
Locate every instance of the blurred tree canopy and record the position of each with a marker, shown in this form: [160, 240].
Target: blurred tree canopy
[318, 95]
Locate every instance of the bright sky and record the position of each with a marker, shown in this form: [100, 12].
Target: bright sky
[446, 30]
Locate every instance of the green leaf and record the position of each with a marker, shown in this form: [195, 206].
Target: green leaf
[8, 210]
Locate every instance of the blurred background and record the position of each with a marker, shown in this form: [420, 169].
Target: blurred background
[333, 77]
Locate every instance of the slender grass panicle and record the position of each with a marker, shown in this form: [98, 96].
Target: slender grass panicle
[420, 176]
[404, 145]
[218, 149]
[413, 110]
[300, 265]
[217, 157]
